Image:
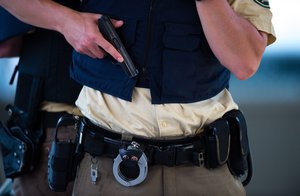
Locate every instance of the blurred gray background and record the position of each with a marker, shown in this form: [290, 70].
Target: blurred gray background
[271, 103]
[7, 91]
[270, 100]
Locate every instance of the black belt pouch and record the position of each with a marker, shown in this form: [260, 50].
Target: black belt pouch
[217, 138]
[239, 147]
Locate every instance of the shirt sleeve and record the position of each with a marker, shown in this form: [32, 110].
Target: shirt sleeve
[258, 13]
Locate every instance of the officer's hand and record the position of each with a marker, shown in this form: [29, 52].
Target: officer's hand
[83, 34]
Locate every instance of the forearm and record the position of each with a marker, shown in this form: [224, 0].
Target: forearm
[237, 44]
[41, 13]
[79, 29]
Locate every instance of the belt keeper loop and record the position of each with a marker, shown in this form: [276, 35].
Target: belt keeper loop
[165, 156]
[149, 150]
[170, 154]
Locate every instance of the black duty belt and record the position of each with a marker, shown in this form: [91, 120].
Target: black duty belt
[223, 141]
[99, 141]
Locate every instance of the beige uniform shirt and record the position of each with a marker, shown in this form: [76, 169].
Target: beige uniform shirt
[258, 13]
[140, 117]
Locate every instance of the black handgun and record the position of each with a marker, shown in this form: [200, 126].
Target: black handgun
[108, 31]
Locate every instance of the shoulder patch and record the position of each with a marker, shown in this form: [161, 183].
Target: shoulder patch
[263, 3]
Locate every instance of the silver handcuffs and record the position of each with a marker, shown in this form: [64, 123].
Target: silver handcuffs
[131, 154]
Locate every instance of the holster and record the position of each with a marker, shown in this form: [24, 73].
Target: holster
[20, 146]
[64, 156]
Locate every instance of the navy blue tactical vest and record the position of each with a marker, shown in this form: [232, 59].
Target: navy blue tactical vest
[167, 44]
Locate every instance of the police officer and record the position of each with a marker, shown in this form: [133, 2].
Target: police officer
[185, 52]
[182, 86]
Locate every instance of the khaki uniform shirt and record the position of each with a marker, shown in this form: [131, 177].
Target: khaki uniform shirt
[140, 117]
[49, 106]
[258, 13]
